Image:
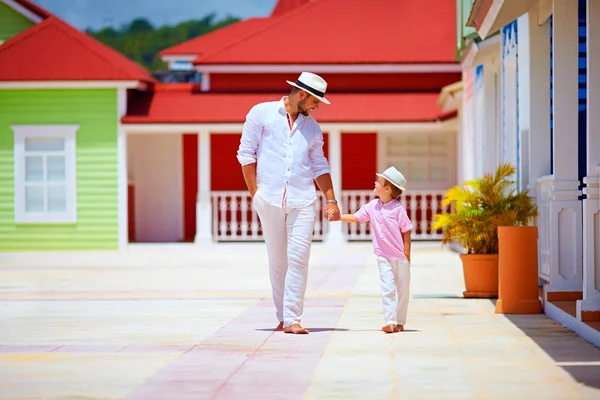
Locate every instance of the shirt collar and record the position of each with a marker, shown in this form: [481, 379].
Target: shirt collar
[281, 109]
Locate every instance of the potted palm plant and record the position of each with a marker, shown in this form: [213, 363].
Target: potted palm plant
[479, 207]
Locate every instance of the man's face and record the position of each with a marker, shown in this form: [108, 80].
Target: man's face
[308, 104]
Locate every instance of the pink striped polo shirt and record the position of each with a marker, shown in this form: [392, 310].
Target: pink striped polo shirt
[388, 222]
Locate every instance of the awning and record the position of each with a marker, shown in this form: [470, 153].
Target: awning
[182, 103]
[489, 16]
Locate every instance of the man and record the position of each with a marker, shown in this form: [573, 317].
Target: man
[281, 153]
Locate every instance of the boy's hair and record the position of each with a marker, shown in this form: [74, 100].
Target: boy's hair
[396, 191]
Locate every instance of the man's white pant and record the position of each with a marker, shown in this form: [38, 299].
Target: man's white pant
[395, 286]
[288, 235]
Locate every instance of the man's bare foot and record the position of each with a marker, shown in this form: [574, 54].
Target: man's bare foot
[296, 329]
[390, 328]
[399, 328]
[279, 327]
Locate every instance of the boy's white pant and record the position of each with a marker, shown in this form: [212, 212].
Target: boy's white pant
[288, 235]
[395, 286]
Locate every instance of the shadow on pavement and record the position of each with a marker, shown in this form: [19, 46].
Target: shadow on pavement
[576, 356]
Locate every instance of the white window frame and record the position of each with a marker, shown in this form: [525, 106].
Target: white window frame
[384, 160]
[67, 132]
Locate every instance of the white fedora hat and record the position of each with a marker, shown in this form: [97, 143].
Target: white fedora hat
[395, 177]
[313, 84]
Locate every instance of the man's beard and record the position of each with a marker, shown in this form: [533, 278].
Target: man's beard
[301, 109]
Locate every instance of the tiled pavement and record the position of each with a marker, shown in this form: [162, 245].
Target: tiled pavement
[178, 322]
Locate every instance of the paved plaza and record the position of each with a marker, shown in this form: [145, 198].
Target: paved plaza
[181, 322]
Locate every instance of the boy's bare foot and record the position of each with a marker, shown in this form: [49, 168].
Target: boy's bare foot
[296, 329]
[279, 327]
[399, 328]
[390, 328]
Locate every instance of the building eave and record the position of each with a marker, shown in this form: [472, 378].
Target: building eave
[479, 53]
[329, 68]
[489, 16]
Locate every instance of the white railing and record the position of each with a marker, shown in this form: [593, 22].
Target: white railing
[421, 207]
[234, 219]
[544, 222]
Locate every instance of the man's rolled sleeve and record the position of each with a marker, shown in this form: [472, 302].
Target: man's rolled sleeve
[319, 164]
[250, 137]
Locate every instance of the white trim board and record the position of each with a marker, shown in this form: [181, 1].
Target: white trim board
[571, 323]
[329, 68]
[23, 11]
[479, 53]
[66, 132]
[71, 84]
[122, 173]
[359, 127]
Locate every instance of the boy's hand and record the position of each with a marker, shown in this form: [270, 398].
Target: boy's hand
[331, 214]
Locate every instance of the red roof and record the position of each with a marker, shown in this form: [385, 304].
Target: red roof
[284, 6]
[53, 50]
[349, 32]
[214, 40]
[183, 103]
[34, 8]
[220, 38]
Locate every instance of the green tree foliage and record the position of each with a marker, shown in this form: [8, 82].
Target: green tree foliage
[141, 41]
[480, 206]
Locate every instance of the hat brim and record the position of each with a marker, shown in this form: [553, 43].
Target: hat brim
[322, 99]
[387, 178]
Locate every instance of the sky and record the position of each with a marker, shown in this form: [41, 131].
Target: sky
[97, 14]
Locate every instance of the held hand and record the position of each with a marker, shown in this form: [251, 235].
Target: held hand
[332, 212]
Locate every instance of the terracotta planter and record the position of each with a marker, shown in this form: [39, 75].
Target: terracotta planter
[481, 275]
[518, 270]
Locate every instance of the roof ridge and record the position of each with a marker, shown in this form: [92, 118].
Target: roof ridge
[276, 20]
[78, 35]
[207, 34]
[35, 8]
[25, 34]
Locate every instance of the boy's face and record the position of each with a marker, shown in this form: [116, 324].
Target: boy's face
[380, 187]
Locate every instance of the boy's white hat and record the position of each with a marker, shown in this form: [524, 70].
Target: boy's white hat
[313, 84]
[395, 177]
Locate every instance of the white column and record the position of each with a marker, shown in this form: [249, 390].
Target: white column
[491, 130]
[335, 233]
[591, 205]
[566, 215]
[123, 215]
[205, 81]
[203, 206]
[538, 120]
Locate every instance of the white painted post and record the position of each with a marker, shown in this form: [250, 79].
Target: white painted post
[123, 195]
[203, 207]
[566, 215]
[537, 78]
[591, 205]
[335, 233]
[491, 130]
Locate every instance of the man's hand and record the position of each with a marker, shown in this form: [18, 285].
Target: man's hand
[332, 212]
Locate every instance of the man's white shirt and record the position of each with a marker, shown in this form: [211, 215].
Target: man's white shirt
[287, 161]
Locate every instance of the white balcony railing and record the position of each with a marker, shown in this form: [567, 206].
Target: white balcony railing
[233, 218]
